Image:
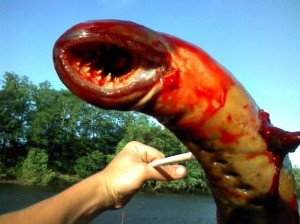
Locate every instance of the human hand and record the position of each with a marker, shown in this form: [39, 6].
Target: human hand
[111, 188]
[129, 170]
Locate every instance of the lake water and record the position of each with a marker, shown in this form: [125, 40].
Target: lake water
[144, 208]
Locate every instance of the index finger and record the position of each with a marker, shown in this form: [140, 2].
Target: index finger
[144, 152]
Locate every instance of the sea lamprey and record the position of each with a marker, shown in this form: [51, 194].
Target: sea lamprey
[122, 65]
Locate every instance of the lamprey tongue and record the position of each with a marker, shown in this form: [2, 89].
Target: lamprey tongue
[122, 65]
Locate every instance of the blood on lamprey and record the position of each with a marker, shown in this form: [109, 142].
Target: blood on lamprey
[122, 65]
[279, 143]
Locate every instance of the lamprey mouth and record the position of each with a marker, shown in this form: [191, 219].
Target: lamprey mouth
[111, 66]
[105, 64]
[110, 60]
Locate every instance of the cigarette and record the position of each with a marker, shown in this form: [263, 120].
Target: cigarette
[173, 159]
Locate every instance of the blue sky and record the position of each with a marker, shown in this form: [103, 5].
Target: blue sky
[258, 41]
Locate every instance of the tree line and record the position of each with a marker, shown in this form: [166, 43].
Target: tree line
[48, 136]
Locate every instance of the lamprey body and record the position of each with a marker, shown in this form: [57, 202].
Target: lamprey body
[122, 65]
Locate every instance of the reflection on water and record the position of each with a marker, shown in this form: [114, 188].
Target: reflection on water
[13, 197]
[144, 208]
[154, 208]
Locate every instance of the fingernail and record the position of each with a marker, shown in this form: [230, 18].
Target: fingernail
[180, 171]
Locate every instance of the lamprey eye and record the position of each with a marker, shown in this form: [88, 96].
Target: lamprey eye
[102, 63]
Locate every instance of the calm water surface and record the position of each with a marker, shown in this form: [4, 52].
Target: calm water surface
[144, 208]
[152, 208]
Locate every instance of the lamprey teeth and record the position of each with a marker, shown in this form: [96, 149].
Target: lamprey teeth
[98, 78]
[99, 72]
[85, 70]
[108, 78]
[77, 65]
[88, 74]
[110, 84]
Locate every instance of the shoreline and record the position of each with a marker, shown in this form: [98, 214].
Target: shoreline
[10, 182]
[16, 182]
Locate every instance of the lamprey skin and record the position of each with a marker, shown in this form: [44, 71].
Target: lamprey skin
[122, 65]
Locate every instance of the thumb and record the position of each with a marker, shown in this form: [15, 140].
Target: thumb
[170, 172]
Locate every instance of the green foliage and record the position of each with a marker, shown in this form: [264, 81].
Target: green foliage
[49, 136]
[297, 180]
[90, 163]
[140, 128]
[15, 113]
[3, 173]
[34, 168]
[195, 180]
[64, 179]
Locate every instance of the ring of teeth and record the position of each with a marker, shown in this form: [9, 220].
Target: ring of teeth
[107, 65]
[110, 66]
[97, 76]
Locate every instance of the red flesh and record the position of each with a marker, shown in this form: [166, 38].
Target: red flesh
[198, 100]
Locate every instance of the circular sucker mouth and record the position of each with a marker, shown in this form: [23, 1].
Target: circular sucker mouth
[111, 64]
[105, 64]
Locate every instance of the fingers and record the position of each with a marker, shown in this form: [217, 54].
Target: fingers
[144, 152]
[169, 172]
[129, 170]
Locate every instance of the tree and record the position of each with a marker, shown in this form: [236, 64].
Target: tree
[70, 128]
[34, 168]
[55, 125]
[144, 129]
[195, 179]
[90, 164]
[16, 108]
